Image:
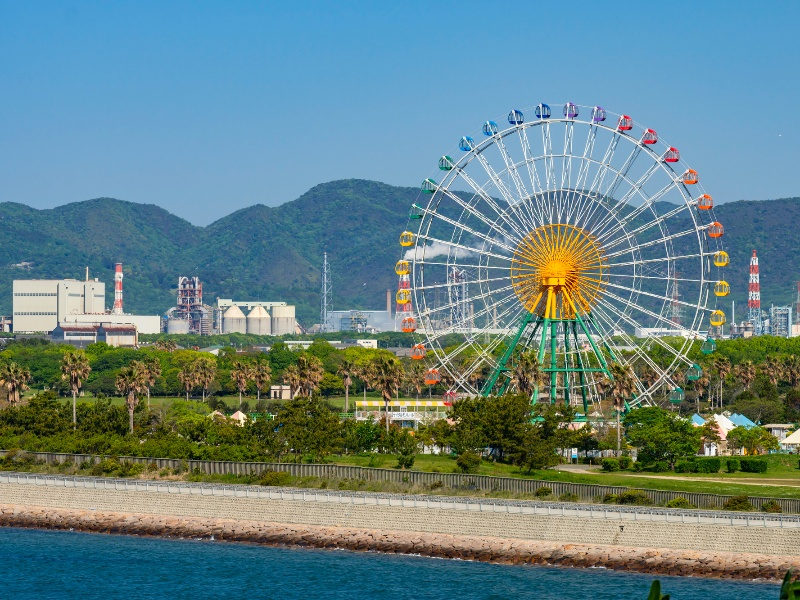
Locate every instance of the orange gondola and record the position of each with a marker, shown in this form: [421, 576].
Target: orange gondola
[432, 377]
[715, 230]
[705, 202]
[408, 325]
[418, 352]
[690, 177]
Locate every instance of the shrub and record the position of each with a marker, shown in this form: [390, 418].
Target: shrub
[754, 465]
[740, 503]
[634, 497]
[771, 507]
[610, 464]
[686, 466]
[709, 465]
[569, 497]
[660, 467]
[405, 460]
[625, 462]
[468, 462]
[274, 478]
[734, 464]
[679, 502]
[543, 492]
[638, 467]
[610, 499]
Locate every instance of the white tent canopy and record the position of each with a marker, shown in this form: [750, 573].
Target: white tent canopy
[791, 441]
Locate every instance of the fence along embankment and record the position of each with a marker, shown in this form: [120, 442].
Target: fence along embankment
[585, 492]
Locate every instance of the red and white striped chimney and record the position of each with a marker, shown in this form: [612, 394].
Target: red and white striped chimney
[118, 290]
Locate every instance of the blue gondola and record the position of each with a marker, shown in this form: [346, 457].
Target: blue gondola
[466, 144]
[489, 128]
[543, 111]
[515, 117]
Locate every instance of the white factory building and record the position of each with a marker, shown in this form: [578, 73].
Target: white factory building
[41, 305]
[256, 317]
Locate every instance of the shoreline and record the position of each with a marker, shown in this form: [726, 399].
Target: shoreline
[499, 550]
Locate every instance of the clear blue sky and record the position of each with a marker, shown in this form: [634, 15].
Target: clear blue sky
[207, 107]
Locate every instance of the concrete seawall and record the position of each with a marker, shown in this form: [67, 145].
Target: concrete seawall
[651, 546]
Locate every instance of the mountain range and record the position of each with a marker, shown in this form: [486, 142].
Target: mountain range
[275, 253]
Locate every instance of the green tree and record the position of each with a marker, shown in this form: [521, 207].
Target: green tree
[188, 377]
[755, 440]
[311, 373]
[75, 368]
[292, 378]
[205, 371]
[660, 435]
[745, 372]
[388, 377]
[526, 374]
[15, 378]
[620, 383]
[131, 381]
[240, 375]
[723, 367]
[309, 427]
[347, 369]
[151, 368]
[262, 373]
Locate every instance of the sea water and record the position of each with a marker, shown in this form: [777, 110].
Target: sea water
[61, 564]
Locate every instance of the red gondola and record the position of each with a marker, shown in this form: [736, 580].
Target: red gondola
[672, 155]
[625, 123]
[649, 136]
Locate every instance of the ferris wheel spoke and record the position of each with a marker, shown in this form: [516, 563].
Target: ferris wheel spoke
[648, 312]
[459, 247]
[649, 294]
[429, 263]
[656, 242]
[504, 191]
[527, 153]
[467, 207]
[661, 259]
[471, 231]
[550, 176]
[511, 167]
[490, 202]
[441, 286]
[648, 204]
[655, 277]
[426, 313]
[656, 339]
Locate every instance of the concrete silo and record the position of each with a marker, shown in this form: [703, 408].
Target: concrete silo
[234, 321]
[258, 321]
[282, 320]
[178, 326]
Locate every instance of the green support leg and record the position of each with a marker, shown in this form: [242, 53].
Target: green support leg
[566, 364]
[553, 361]
[501, 367]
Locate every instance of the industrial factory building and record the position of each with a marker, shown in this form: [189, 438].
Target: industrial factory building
[42, 305]
[256, 317]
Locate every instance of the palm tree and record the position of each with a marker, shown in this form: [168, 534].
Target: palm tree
[151, 369]
[415, 376]
[792, 369]
[15, 378]
[240, 374]
[261, 377]
[699, 387]
[388, 377]
[311, 373]
[723, 366]
[291, 377]
[526, 374]
[366, 373]
[166, 345]
[347, 369]
[188, 377]
[75, 367]
[745, 372]
[773, 369]
[131, 381]
[205, 368]
[621, 384]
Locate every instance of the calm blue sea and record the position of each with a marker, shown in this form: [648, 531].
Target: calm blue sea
[55, 564]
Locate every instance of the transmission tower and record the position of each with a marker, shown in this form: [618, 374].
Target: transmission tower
[754, 296]
[325, 304]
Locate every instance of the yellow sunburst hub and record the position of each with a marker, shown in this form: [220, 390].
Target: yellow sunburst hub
[558, 270]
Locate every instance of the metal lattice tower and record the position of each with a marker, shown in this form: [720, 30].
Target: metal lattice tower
[325, 303]
[754, 296]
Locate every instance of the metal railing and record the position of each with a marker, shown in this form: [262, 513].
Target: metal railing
[483, 505]
[584, 492]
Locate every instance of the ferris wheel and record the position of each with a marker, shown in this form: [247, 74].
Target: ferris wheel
[580, 237]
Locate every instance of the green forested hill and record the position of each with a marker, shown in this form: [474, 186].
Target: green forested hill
[275, 253]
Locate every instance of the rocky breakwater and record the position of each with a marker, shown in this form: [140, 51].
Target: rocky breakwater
[486, 549]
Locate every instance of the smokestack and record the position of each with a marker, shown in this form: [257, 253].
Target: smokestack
[389, 302]
[118, 290]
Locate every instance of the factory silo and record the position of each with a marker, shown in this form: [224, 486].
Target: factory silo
[177, 326]
[234, 321]
[282, 320]
[258, 321]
